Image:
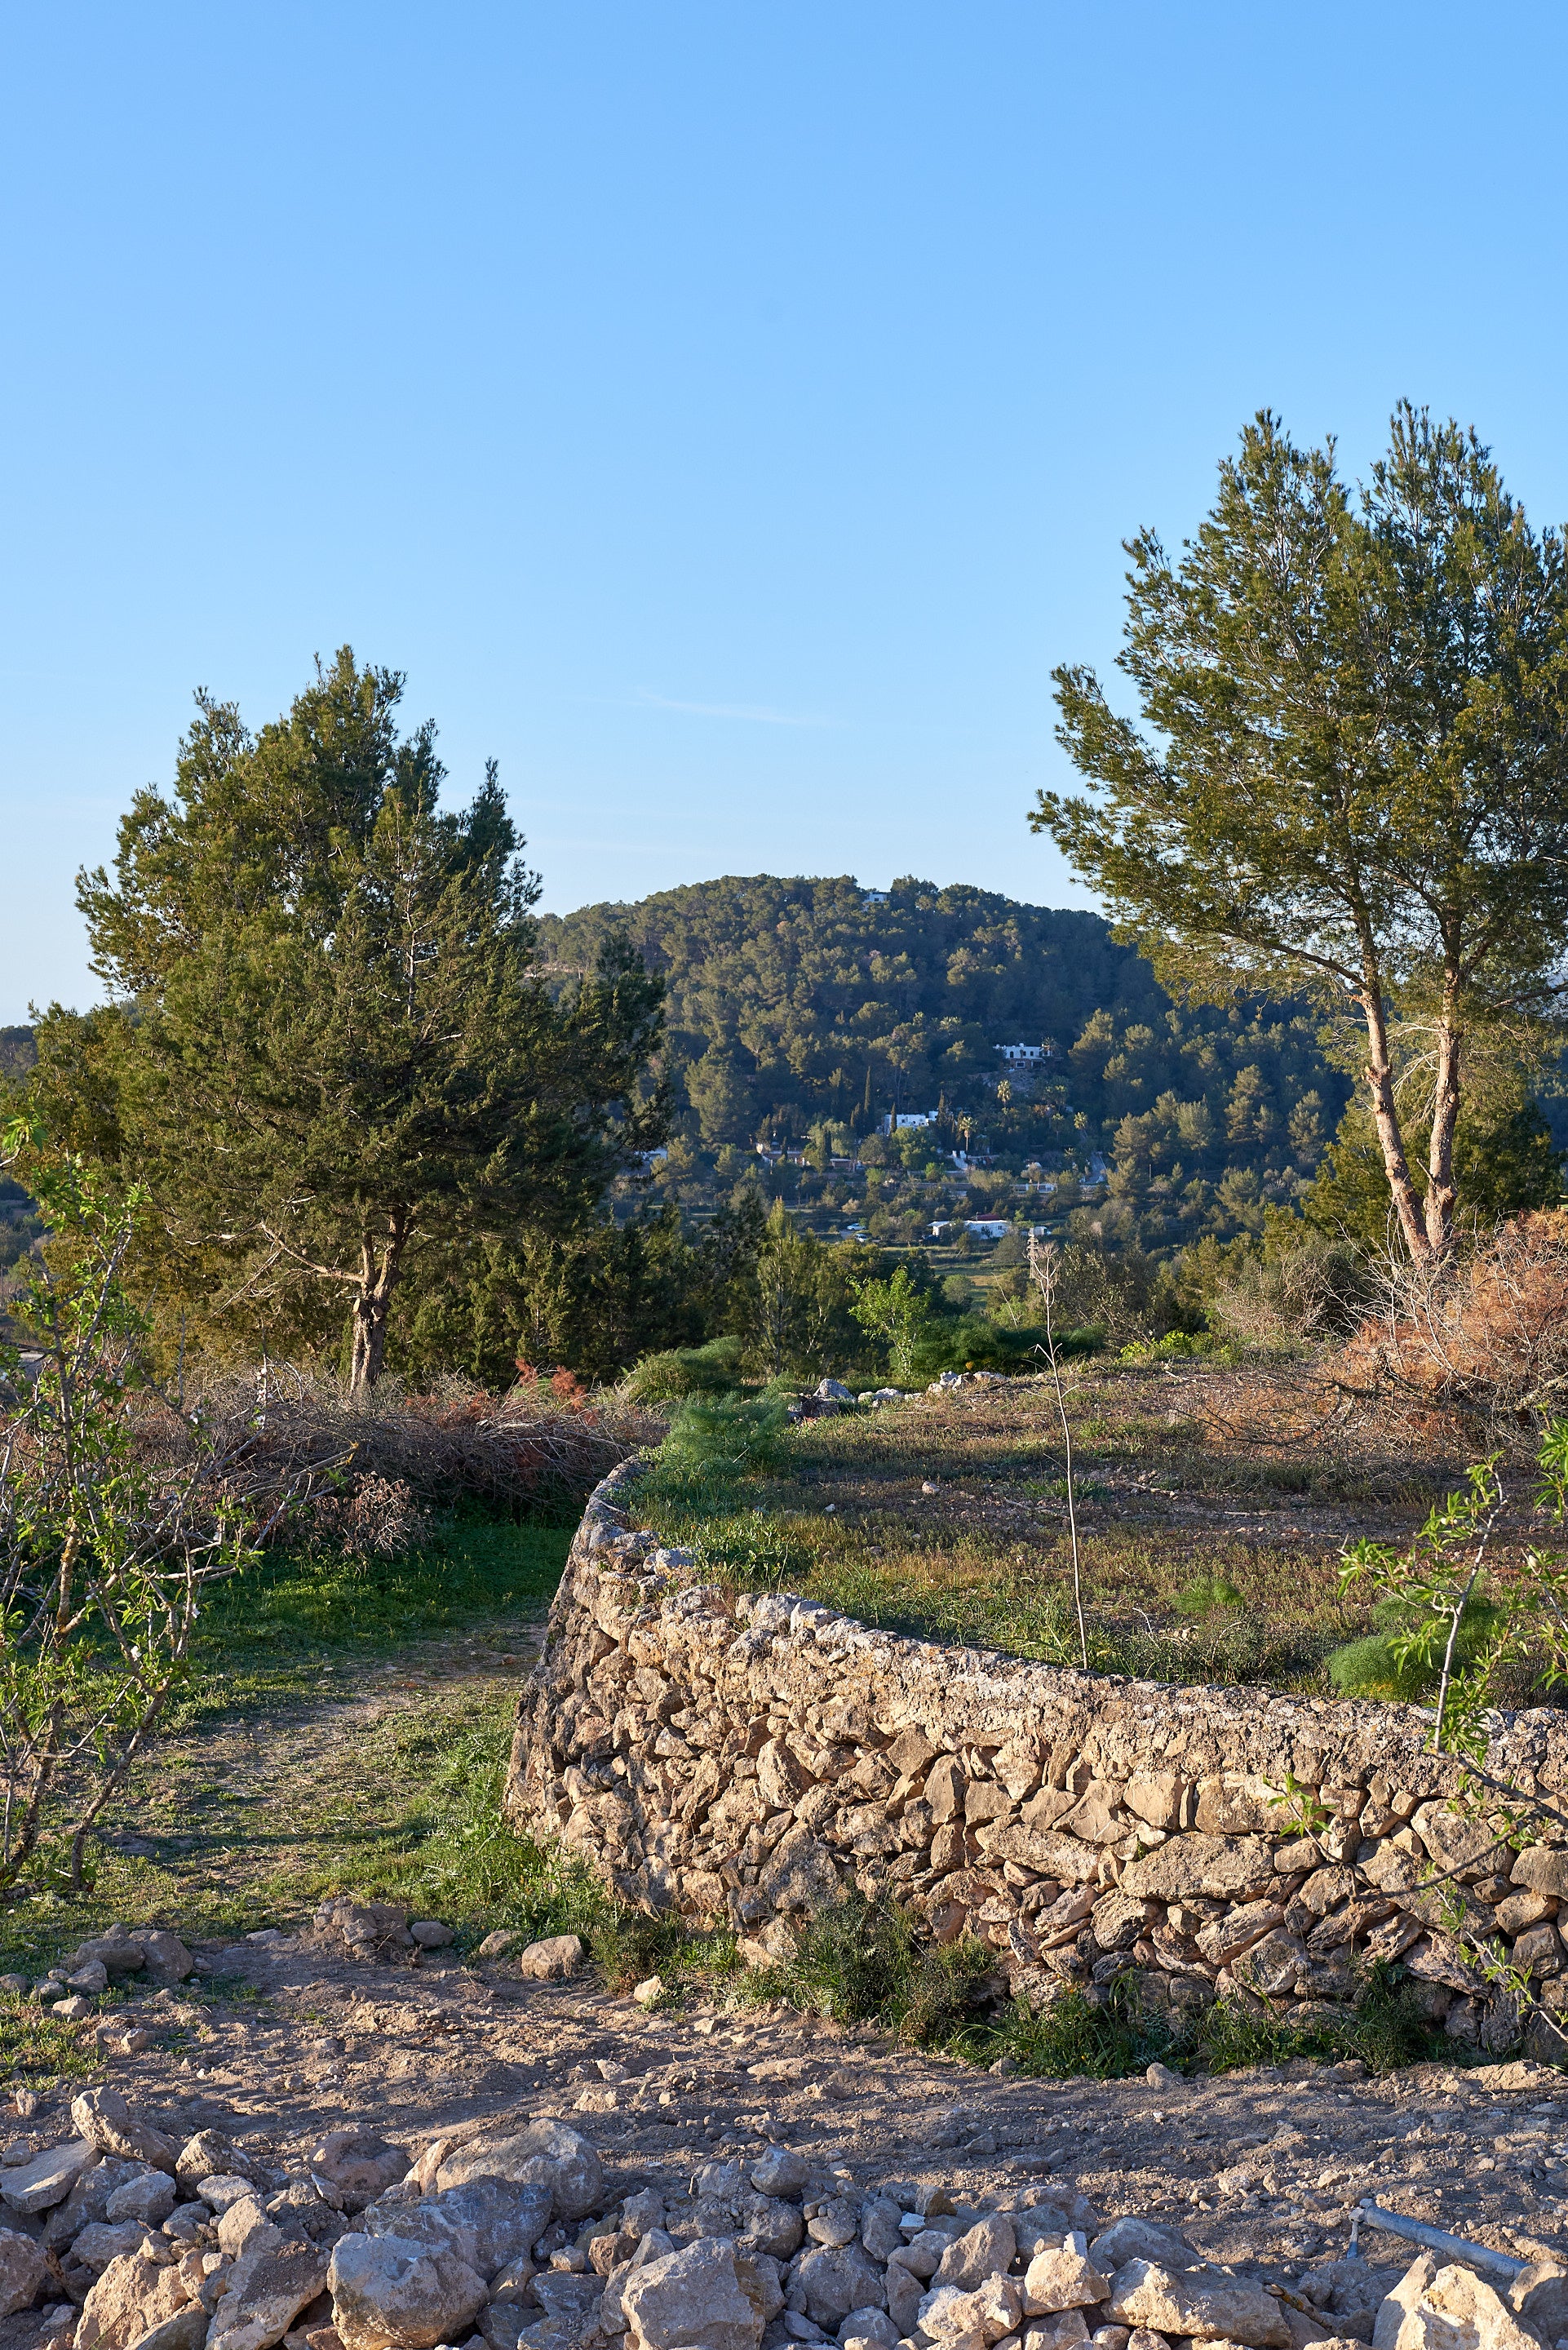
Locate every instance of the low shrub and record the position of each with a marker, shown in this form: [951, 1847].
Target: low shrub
[1299, 1287]
[681, 1371]
[729, 1434]
[1378, 1665]
[288, 1431]
[1209, 1595]
[1479, 1342]
[863, 1960]
[974, 1343]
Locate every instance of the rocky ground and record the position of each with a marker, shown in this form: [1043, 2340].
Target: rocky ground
[279, 2041]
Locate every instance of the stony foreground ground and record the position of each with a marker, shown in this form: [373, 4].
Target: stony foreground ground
[1254, 2164]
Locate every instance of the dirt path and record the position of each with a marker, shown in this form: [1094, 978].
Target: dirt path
[265, 1806]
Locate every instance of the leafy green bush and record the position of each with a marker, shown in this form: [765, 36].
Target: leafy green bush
[1104, 2036]
[1380, 1664]
[863, 1960]
[1175, 1346]
[728, 1433]
[900, 1313]
[712, 1369]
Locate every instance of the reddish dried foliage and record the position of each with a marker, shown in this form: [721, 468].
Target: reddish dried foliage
[1478, 1348]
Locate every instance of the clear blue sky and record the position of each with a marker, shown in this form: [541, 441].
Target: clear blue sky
[726, 415]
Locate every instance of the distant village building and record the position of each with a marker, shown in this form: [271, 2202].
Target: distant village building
[873, 897]
[906, 1118]
[1022, 1065]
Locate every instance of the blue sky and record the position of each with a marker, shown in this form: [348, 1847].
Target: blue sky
[726, 415]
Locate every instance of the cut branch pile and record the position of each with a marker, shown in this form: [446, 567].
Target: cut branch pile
[283, 1429]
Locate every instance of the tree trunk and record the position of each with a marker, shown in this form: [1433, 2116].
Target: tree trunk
[1385, 1118]
[1440, 1190]
[372, 1301]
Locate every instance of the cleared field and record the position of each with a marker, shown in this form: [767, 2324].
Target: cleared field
[1213, 1504]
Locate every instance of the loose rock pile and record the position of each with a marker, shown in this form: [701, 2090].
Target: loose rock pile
[506, 2235]
[747, 1758]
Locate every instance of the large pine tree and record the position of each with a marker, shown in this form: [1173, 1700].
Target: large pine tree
[327, 1051]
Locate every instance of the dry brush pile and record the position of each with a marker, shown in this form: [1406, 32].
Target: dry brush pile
[363, 1473]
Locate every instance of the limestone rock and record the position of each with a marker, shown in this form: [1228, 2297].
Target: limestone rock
[768, 2224]
[1273, 1965]
[1455, 1842]
[880, 2228]
[367, 1929]
[498, 1945]
[121, 1954]
[391, 2294]
[168, 1960]
[1202, 2303]
[987, 2314]
[149, 2196]
[23, 2269]
[430, 1934]
[101, 2241]
[209, 2155]
[905, 2290]
[225, 2189]
[989, 2248]
[241, 2223]
[1543, 1869]
[1063, 2279]
[186, 2330]
[267, 2287]
[1539, 2296]
[780, 2171]
[833, 2279]
[1220, 1866]
[49, 2179]
[88, 2198]
[503, 2219]
[1457, 2310]
[545, 2154]
[800, 1874]
[554, 1959]
[351, 2167]
[873, 2327]
[132, 2295]
[1400, 2298]
[706, 2296]
[1139, 2239]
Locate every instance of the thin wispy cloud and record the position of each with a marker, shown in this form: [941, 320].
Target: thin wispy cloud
[749, 712]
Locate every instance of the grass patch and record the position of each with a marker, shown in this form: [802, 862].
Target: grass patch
[1210, 1532]
[258, 1800]
[863, 1962]
[273, 1628]
[35, 2051]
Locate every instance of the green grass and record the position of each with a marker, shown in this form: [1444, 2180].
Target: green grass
[1241, 1589]
[864, 1962]
[406, 1809]
[271, 1630]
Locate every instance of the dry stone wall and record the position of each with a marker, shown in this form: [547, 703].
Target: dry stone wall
[748, 1758]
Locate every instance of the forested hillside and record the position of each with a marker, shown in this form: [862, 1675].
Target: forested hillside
[803, 1004]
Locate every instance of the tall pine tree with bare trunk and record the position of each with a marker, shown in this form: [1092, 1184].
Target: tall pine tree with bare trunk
[1352, 774]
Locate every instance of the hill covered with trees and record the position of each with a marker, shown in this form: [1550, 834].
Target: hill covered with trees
[812, 1009]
